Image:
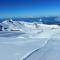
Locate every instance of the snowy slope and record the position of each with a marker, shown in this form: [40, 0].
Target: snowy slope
[14, 48]
[51, 51]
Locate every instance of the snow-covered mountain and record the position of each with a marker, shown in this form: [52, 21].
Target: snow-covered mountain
[10, 25]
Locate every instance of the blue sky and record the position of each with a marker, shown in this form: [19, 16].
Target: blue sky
[27, 8]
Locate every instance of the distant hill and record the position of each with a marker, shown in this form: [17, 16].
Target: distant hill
[46, 20]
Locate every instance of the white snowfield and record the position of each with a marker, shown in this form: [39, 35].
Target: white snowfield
[34, 44]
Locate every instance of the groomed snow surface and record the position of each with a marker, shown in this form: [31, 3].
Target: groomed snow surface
[37, 45]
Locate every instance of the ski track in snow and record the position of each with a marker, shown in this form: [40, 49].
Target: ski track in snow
[51, 51]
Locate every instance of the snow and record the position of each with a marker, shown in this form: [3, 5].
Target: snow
[24, 26]
[30, 44]
[51, 51]
[14, 48]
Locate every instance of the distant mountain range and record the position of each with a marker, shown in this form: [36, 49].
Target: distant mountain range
[24, 24]
[45, 20]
